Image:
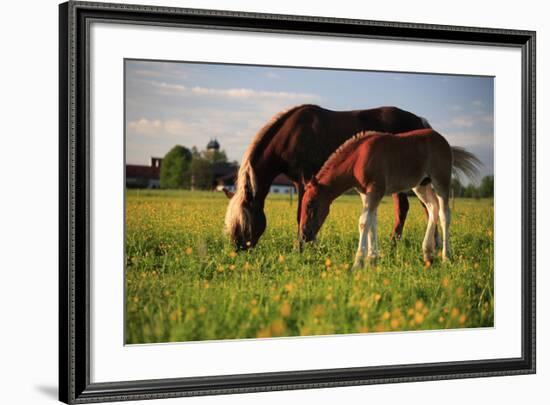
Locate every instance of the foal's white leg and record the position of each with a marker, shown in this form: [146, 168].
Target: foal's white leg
[427, 196]
[368, 229]
[372, 233]
[445, 218]
[362, 248]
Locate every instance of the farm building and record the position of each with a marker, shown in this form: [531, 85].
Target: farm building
[281, 184]
[141, 176]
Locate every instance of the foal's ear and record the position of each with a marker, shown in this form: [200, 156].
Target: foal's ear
[228, 194]
[314, 181]
[303, 180]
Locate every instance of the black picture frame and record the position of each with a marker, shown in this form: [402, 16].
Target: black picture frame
[74, 203]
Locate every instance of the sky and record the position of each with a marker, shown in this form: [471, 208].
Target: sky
[178, 103]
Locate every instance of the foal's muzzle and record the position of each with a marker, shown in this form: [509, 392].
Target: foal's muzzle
[303, 238]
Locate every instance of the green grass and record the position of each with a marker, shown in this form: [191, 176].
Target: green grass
[184, 282]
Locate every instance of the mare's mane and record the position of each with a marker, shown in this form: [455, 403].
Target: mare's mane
[246, 177]
[238, 214]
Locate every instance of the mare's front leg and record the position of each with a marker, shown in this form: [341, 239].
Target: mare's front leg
[300, 189]
[401, 208]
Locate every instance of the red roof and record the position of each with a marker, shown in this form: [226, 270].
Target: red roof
[144, 172]
[282, 180]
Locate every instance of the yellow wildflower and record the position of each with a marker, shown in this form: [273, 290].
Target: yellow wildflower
[318, 310]
[418, 318]
[277, 327]
[264, 333]
[285, 309]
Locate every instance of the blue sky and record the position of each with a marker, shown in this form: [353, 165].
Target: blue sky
[169, 103]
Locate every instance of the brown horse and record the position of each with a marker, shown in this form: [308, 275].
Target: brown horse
[375, 164]
[297, 142]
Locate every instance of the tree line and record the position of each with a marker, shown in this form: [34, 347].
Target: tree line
[189, 168]
[484, 190]
[193, 169]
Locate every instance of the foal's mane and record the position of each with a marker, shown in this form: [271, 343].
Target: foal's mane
[344, 149]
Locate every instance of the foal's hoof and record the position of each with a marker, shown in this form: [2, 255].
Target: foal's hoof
[372, 260]
[358, 264]
[446, 259]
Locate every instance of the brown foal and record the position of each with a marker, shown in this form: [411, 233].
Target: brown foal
[377, 164]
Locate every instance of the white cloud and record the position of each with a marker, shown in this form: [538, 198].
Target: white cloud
[463, 121]
[167, 88]
[173, 127]
[469, 121]
[456, 107]
[236, 93]
[487, 118]
[472, 140]
[147, 73]
[478, 103]
[234, 129]
[145, 126]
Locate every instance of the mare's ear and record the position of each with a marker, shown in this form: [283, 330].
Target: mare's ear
[228, 194]
[314, 181]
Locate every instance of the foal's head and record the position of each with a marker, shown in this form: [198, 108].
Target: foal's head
[314, 211]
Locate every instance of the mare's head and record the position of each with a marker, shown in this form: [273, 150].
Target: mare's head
[244, 220]
[314, 210]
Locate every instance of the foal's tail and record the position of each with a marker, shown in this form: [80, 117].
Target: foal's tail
[465, 163]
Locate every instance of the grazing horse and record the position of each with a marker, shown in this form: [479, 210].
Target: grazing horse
[378, 163]
[297, 142]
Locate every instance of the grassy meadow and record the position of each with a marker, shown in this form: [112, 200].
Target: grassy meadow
[184, 282]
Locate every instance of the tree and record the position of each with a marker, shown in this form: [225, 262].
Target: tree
[202, 167]
[486, 189]
[174, 171]
[471, 191]
[202, 172]
[215, 156]
[456, 188]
